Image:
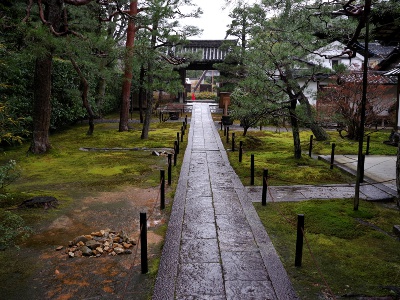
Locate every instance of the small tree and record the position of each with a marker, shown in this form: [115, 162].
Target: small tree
[342, 101]
[251, 105]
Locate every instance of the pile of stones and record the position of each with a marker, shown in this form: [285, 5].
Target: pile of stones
[100, 243]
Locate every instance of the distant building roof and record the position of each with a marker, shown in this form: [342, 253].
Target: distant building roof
[393, 72]
[208, 43]
[373, 78]
[379, 50]
[391, 60]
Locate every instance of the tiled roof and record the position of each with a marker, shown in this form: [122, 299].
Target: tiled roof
[393, 72]
[379, 50]
[373, 78]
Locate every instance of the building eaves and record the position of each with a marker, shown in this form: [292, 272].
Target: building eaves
[208, 43]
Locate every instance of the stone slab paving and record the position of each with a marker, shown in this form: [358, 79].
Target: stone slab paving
[379, 182]
[216, 246]
[301, 192]
[379, 170]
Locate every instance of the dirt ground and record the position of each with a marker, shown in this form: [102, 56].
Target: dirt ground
[38, 271]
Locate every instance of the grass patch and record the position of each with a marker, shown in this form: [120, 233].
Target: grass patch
[355, 250]
[65, 165]
[354, 256]
[274, 151]
[70, 175]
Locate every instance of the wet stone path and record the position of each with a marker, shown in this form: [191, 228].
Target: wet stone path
[216, 247]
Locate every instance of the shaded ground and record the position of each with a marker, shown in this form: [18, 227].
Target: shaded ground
[38, 271]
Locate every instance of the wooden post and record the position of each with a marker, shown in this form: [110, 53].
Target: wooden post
[182, 133]
[332, 155]
[265, 187]
[162, 189]
[143, 243]
[362, 168]
[169, 168]
[233, 142]
[240, 151]
[252, 170]
[310, 148]
[299, 240]
[175, 153]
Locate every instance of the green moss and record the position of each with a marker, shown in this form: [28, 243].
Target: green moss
[353, 257]
[274, 151]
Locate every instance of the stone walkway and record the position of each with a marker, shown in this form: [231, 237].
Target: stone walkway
[379, 183]
[216, 246]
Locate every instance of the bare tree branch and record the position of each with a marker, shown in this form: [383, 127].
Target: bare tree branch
[28, 11]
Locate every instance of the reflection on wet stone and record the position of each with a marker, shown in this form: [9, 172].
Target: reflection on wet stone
[199, 250]
[199, 279]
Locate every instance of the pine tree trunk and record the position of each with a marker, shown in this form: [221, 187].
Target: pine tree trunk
[245, 128]
[319, 133]
[142, 94]
[295, 130]
[85, 92]
[126, 85]
[150, 79]
[100, 94]
[147, 117]
[398, 174]
[149, 102]
[42, 85]
[41, 105]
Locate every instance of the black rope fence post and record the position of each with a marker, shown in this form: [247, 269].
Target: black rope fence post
[362, 168]
[332, 155]
[233, 141]
[310, 148]
[143, 243]
[252, 170]
[184, 125]
[221, 125]
[177, 139]
[162, 189]
[368, 140]
[240, 151]
[186, 119]
[182, 133]
[176, 145]
[299, 241]
[265, 187]
[176, 150]
[169, 168]
[227, 135]
[224, 129]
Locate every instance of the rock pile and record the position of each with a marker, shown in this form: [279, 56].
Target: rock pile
[100, 243]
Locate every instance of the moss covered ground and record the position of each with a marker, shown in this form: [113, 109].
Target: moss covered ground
[96, 190]
[353, 253]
